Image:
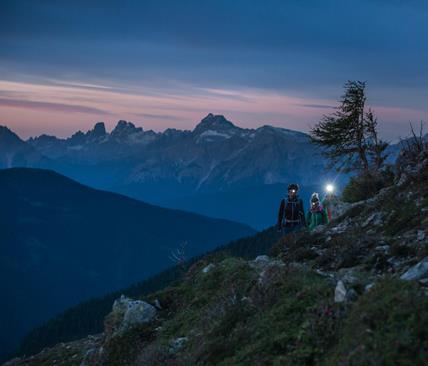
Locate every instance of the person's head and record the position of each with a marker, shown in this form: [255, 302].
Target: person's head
[293, 189]
[329, 189]
[315, 200]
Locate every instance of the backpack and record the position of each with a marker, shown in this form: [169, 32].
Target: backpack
[295, 207]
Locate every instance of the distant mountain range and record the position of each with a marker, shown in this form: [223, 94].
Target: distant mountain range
[16, 152]
[217, 169]
[62, 242]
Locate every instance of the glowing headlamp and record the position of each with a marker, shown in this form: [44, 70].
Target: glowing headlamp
[329, 188]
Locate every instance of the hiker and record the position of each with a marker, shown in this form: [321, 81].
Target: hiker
[291, 215]
[317, 214]
[331, 203]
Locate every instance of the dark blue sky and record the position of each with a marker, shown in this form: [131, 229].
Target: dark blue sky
[167, 63]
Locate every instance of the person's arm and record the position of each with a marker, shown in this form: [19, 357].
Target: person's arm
[280, 214]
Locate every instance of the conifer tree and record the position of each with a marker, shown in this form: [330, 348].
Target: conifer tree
[349, 136]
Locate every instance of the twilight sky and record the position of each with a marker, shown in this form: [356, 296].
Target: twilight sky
[167, 63]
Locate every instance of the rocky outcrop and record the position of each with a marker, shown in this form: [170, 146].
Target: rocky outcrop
[417, 272]
[127, 314]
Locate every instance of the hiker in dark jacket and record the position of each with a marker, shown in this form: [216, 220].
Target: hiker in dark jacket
[291, 215]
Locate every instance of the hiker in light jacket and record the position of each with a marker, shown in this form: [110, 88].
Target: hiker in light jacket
[317, 214]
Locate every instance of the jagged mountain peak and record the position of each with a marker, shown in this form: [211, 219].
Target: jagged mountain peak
[99, 130]
[125, 128]
[214, 122]
[8, 136]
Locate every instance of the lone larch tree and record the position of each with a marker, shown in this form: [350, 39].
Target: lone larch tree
[349, 136]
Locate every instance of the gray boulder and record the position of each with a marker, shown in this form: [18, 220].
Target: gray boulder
[263, 261]
[318, 229]
[208, 268]
[417, 272]
[128, 313]
[420, 236]
[375, 219]
[368, 287]
[177, 344]
[340, 292]
[351, 295]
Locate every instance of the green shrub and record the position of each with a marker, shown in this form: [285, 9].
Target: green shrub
[366, 186]
[387, 326]
[402, 250]
[122, 350]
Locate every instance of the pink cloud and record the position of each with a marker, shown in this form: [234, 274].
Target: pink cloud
[63, 108]
[48, 106]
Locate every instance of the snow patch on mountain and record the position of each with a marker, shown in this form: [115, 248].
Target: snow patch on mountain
[212, 135]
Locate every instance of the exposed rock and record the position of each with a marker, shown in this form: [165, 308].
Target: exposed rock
[383, 248]
[318, 229]
[127, 314]
[324, 274]
[423, 281]
[403, 180]
[351, 295]
[394, 262]
[208, 268]
[318, 250]
[340, 228]
[375, 219]
[368, 287]
[417, 272]
[420, 235]
[349, 276]
[263, 261]
[177, 344]
[158, 304]
[340, 292]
